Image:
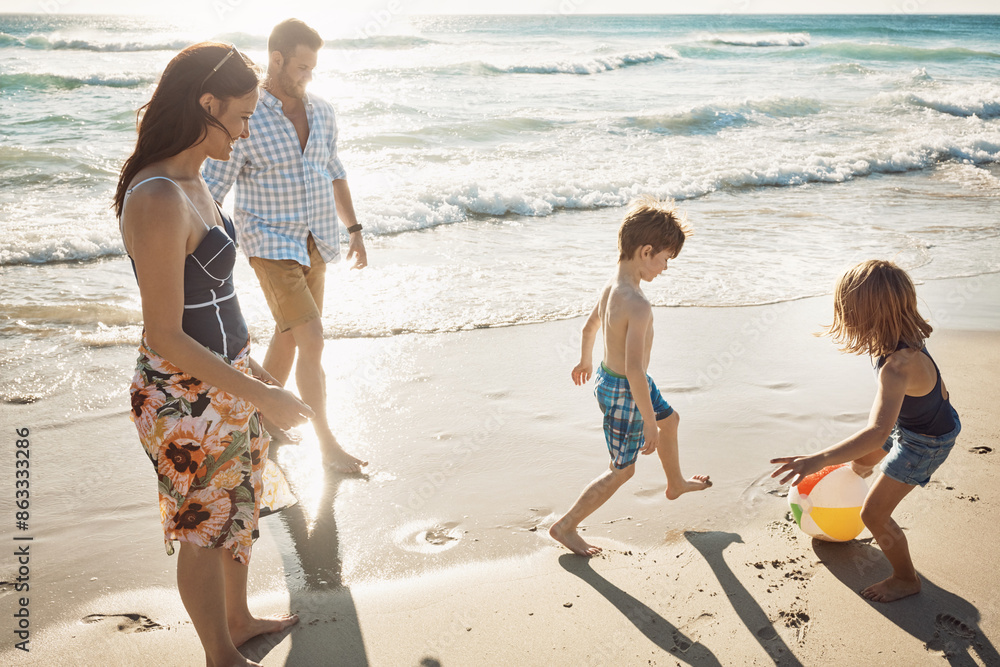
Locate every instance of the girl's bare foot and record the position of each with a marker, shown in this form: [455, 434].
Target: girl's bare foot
[696, 483]
[245, 631]
[891, 589]
[572, 540]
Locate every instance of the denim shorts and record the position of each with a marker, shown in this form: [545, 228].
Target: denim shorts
[914, 457]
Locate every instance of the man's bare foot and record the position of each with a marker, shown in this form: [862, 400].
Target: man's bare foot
[696, 483]
[572, 540]
[243, 632]
[891, 589]
[861, 470]
[336, 458]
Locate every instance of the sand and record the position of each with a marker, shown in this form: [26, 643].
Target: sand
[478, 441]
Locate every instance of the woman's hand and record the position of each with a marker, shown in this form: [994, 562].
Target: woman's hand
[283, 408]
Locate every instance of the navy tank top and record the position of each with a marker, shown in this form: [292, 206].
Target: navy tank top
[930, 414]
[212, 314]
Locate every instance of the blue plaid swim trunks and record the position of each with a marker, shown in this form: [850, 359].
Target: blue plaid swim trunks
[914, 457]
[622, 420]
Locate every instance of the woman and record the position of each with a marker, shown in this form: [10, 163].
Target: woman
[197, 397]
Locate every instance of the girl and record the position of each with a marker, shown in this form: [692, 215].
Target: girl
[197, 395]
[912, 424]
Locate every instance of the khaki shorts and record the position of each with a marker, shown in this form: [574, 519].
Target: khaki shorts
[294, 292]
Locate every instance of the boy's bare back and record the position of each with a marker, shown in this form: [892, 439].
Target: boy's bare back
[623, 308]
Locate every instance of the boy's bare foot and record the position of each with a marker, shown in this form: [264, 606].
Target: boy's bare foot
[244, 632]
[861, 470]
[891, 589]
[696, 483]
[572, 540]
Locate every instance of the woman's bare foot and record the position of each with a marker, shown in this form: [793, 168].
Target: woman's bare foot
[244, 631]
[696, 483]
[572, 540]
[891, 589]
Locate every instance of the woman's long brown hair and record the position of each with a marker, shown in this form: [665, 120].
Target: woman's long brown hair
[173, 120]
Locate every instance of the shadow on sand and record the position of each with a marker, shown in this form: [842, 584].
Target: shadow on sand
[711, 545]
[323, 600]
[940, 619]
[645, 619]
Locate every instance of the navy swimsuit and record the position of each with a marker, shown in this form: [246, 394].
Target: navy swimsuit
[212, 314]
[930, 414]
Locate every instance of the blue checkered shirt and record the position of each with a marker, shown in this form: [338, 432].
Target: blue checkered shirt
[282, 192]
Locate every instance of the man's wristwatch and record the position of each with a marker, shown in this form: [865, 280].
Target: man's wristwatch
[354, 228]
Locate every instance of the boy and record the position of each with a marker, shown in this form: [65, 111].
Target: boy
[650, 235]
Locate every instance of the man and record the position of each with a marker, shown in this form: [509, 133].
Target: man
[290, 191]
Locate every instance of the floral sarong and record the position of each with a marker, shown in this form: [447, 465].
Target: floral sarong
[210, 454]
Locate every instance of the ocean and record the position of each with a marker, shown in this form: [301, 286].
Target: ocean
[490, 159]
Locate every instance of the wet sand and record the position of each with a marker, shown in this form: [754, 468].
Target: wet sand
[479, 440]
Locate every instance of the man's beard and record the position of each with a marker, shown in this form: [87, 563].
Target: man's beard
[291, 88]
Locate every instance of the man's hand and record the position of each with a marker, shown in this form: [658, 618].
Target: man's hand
[582, 372]
[356, 249]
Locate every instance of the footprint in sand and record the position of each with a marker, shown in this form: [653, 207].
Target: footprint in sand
[538, 519]
[953, 626]
[980, 450]
[418, 537]
[793, 619]
[127, 623]
[692, 631]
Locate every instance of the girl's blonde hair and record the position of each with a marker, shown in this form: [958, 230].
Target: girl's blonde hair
[875, 308]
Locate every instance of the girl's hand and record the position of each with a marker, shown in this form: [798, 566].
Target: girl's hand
[582, 372]
[796, 467]
[282, 408]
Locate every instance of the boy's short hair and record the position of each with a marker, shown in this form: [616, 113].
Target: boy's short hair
[653, 222]
[291, 33]
[875, 308]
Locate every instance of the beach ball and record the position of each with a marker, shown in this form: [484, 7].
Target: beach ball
[827, 504]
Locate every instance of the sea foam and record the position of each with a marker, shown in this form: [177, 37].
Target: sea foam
[774, 39]
[28, 80]
[982, 101]
[55, 43]
[594, 65]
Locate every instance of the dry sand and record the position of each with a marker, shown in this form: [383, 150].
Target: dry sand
[464, 574]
